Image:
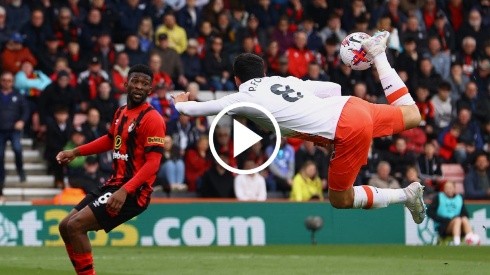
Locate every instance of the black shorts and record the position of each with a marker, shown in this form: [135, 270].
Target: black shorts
[97, 202]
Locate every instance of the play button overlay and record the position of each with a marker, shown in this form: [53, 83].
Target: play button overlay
[243, 137]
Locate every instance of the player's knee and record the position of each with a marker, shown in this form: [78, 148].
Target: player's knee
[457, 220]
[341, 202]
[62, 227]
[74, 226]
[411, 116]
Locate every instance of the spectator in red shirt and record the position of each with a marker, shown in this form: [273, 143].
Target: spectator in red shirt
[449, 143]
[160, 78]
[197, 161]
[426, 109]
[14, 53]
[64, 28]
[299, 56]
[61, 64]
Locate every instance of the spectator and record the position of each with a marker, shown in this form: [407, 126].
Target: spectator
[470, 135]
[266, 13]
[172, 65]
[449, 142]
[145, 34]
[91, 29]
[50, 53]
[189, 17]
[334, 27]
[444, 32]
[108, 13]
[76, 61]
[282, 168]
[314, 40]
[105, 51]
[176, 35]
[426, 109]
[134, 52]
[458, 82]
[58, 94]
[427, 76]
[440, 59]
[429, 166]
[65, 29]
[160, 78]
[283, 35]
[197, 161]
[407, 60]
[415, 33]
[4, 28]
[36, 31]
[76, 167]
[79, 12]
[184, 133]
[328, 57]
[469, 99]
[354, 12]
[417, 137]
[309, 152]
[14, 53]
[400, 158]
[105, 103]
[482, 77]
[272, 58]
[119, 74]
[455, 12]
[61, 64]
[238, 16]
[468, 55]
[172, 167]
[30, 82]
[89, 80]
[130, 15]
[412, 175]
[193, 70]
[477, 180]
[93, 127]
[382, 178]
[14, 113]
[295, 12]
[306, 184]
[443, 108]
[162, 103]
[156, 9]
[252, 30]
[449, 213]
[211, 11]
[57, 134]
[250, 187]
[429, 13]
[299, 56]
[225, 31]
[474, 28]
[224, 143]
[217, 68]
[217, 182]
[91, 178]
[17, 14]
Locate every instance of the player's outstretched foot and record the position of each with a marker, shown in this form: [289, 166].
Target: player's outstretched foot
[415, 201]
[376, 44]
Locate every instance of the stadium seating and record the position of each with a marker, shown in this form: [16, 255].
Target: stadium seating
[455, 173]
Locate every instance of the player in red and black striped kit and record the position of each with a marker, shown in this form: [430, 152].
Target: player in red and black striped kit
[136, 138]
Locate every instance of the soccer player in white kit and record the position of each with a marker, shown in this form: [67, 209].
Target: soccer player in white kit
[315, 111]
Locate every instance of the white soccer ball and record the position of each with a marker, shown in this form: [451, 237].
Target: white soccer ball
[472, 239]
[352, 53]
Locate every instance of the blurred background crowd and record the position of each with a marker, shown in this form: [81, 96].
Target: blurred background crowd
[64, 64]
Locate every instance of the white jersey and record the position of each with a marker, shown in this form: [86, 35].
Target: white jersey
[306, 109]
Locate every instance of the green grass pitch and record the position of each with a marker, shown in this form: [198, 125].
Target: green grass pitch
[322, 259]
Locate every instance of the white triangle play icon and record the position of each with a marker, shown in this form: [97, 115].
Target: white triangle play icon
[243, 138]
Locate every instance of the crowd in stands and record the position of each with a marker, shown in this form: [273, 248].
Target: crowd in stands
[70, 59]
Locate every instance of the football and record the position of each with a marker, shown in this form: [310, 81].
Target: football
[472, 239]
[352, 53]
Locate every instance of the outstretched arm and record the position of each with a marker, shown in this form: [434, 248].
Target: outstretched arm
[102, 144]
[207, 108]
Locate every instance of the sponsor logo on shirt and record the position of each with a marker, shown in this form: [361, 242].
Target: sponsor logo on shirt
[117, 142]
[117, 155]
[155, 140]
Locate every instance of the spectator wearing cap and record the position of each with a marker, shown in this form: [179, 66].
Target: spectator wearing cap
[145, 34]
[193, 70]
[65, 29]
[47, 58]
[130, 15]
[56, 95]
[177, 36]
[4, 28]
[105, 103]
[17, 14]
[133, 50]
[119, 74]
[189, 17]
[36, 31]
[443, 30]
[89, 80]
[14, 53]
[172, 65]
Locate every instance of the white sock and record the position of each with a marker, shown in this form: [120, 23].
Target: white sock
[371, 197]
[457, 240]
[382, 65]
[395, 89]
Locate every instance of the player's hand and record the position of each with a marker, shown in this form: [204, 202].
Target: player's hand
[182, 97]
[117, 200]
[65, 157]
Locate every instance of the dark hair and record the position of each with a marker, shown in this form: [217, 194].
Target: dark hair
[248, 66]
[444, 85]
[141, 68]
